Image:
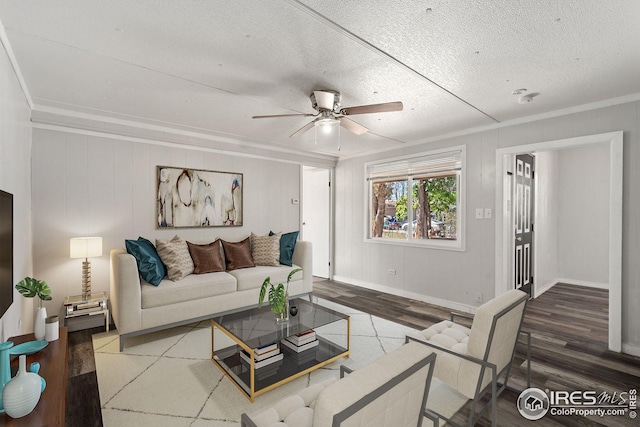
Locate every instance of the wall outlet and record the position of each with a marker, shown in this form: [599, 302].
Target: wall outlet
[392, 271]
[478, 297]
[479, 213]
[487, 213]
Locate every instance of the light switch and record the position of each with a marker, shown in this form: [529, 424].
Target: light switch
[487, 213]
[479, 213]
[295, 201]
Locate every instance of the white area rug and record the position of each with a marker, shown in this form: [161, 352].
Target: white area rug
[167, 378]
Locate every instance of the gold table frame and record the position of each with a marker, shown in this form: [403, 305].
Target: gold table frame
[252, 394]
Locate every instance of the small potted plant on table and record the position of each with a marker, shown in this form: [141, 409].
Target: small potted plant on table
[278, 296]
[30, 288]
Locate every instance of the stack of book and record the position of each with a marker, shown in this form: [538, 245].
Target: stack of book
[302, 347]
[267, 358]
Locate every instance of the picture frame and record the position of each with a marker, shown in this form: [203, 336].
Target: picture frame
[187, 197]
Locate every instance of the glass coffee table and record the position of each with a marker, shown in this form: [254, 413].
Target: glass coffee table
[258, 354]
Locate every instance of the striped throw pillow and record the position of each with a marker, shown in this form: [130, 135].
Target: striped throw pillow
[266, 249]
[175, 256]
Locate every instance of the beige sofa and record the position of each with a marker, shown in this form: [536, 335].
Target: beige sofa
[138, 307]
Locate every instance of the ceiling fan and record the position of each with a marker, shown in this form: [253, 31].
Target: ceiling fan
[329, 112]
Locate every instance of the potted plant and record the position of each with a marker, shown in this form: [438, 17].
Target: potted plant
[30, 288]
[278, 295]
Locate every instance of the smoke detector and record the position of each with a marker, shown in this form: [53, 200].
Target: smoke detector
[527, 98]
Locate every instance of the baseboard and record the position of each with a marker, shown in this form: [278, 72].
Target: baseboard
[585, 283]
[539, 291]
[452, 305]
[631, 349]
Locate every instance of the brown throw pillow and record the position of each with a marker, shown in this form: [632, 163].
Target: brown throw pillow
[238, 254]
[206, 258]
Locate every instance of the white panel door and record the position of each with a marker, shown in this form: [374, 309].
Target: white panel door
[316, 217]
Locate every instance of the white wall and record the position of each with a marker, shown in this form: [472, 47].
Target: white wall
[457, 276]
[583, 238]
[87, 185]
[439, 276]
[15, 178]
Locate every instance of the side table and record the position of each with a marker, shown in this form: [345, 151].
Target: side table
[93, 304]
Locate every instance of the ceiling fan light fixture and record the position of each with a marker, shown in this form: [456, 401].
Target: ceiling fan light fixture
[326, 124]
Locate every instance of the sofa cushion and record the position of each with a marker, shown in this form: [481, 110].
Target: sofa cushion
[265, 250]
[252, 278]
[287, 245]
[150, 265]
[175, 255]
[206, 258]
[192, 287]
[238, 254]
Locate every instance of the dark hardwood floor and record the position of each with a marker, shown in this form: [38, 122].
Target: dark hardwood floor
[569, 326]
[83, 398]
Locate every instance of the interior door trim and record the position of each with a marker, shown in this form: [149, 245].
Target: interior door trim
[503, 238]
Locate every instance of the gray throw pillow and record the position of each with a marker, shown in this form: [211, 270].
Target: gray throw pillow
[266, 249]
[175, 256]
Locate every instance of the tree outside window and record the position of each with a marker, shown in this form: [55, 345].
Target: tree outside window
[429, 211]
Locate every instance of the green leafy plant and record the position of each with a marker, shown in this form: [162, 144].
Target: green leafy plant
[30, 288]
[277, 293]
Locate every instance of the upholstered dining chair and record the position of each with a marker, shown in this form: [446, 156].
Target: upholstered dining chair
[391, 391]
[472, 361]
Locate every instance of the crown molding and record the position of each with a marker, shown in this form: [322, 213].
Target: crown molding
[4, 40]
[59, 119]
[513, 122]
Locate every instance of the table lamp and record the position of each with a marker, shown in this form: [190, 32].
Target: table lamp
[86, 247]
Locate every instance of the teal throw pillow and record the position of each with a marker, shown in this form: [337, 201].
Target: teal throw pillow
[287, 245]
[149, 263]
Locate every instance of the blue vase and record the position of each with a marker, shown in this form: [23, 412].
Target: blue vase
[5, 368]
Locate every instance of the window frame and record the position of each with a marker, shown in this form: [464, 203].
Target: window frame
[450, 245]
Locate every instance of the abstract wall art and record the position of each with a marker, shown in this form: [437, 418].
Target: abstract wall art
[198, 198]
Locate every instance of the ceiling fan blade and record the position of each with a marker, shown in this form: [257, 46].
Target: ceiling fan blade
[354, 127]
[283, 115]
[324, 99]
[303, 129]
[372, 108]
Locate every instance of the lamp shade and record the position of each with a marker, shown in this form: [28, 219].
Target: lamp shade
[85, 247]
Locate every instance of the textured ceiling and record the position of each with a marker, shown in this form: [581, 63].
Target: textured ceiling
[208, 66]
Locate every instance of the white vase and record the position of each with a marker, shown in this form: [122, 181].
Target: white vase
[21, 395]
[39, 325]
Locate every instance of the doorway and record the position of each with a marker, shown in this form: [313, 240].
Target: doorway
[316, 217]
[504, 239]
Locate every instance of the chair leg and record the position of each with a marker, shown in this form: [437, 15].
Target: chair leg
[494, 406]
[433, 417]
[528, 359]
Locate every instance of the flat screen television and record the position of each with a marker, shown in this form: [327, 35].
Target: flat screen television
[6, 251]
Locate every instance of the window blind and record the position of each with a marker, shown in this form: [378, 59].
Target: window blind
[419, 167]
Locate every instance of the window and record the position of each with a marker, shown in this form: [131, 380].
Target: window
[417, 200]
